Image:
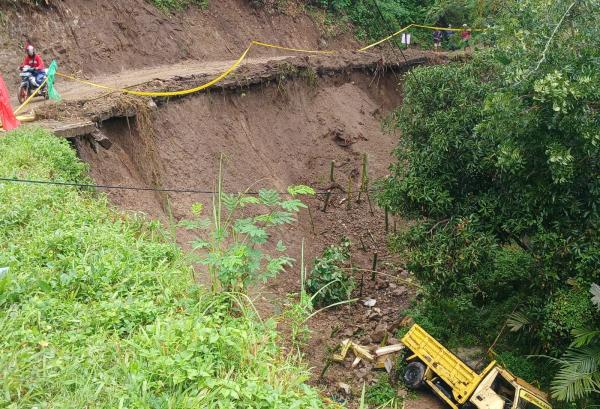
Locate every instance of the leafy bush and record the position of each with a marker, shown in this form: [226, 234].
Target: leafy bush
[232, 245]
[329, 280]
[381, 393]
[99, 309]
[498, 162]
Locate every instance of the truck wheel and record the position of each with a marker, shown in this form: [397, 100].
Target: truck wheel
[414, 375]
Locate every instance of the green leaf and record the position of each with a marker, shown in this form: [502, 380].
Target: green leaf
[276, 218]
[280, 246]
[275, 266]
[230, 201]
[197, 208]
[268, 197]
[246, 200]
[189, 224]
[301, 190]
[293, 205]
[255, 233]
[199, 244]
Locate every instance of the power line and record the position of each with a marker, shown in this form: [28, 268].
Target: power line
[147, 189]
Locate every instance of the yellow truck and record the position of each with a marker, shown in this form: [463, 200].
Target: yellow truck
[429, 363]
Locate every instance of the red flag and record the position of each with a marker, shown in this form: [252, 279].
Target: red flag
[7, 116]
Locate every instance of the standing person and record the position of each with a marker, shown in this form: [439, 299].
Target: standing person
[465, 35]
[437, 39]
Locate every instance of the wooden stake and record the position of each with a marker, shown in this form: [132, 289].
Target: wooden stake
[369, 200]
[374, 269]
[331, 172]
[312, 222]
[362, 281]
[387, 221]
[349, 197]
[327, 200]
[364, 179]
[362, 243]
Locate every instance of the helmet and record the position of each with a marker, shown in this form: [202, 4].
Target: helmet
[30, 50]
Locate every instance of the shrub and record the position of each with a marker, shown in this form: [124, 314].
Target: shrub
[329, 280]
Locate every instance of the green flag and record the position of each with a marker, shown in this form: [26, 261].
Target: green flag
[52, 92]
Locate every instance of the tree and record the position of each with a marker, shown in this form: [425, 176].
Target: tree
[579, 373]
[499, 163]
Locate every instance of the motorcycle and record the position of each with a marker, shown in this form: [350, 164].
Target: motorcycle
[29, 84]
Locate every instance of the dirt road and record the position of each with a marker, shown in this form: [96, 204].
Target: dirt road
[73, 91]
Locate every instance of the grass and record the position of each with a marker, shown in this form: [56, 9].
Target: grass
[179, 4]
[100, 310]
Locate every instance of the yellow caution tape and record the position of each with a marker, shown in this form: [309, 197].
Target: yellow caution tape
[233, 66]
[419, 26]
[298, 50]
[167, 93]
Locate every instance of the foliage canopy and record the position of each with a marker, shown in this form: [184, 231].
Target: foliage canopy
[499, 161]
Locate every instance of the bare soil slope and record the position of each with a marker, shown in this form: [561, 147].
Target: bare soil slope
[276, 135]
[94, 37]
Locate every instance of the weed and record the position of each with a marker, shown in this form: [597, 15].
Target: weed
[179, 4]
[310, 76]
[231, 246]
[329, 280]
[382, 393]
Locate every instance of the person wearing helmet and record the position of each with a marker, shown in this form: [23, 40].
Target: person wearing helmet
[35, 62]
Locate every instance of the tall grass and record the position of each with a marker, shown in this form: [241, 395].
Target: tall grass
[99, 310]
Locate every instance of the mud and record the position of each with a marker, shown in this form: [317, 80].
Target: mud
[276, 134]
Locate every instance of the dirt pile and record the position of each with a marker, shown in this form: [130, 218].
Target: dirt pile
[90, 38]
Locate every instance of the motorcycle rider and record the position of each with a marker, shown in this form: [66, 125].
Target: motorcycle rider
[33, 60]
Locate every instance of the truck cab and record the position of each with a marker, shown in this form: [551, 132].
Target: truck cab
[430, 363]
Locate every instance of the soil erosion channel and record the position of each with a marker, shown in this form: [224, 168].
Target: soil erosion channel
[277, 134]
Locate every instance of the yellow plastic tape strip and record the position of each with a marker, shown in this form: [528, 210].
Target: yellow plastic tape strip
[419, 26]
[298, 50]
[28, 100]
[386, 38]
[235, 65]
[167, 93]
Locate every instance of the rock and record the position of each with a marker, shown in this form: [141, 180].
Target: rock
[366, 340]
[369, 302]
[393, 286]
[344, 387]
[399, 291]
[347, 333]
[393, 341]
[379, 334]
[375, 313]
[380, 284]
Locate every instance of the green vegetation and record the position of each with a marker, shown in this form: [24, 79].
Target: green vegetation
[579, 372]
[330, 281]
[100, 310]
[232, 243]
[369, 25]
[499, 164]
[179, 4]
[382, 394]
